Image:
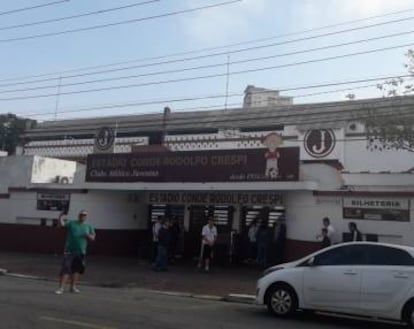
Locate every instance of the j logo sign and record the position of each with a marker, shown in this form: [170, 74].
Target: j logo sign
[104, 140]
[319, 143]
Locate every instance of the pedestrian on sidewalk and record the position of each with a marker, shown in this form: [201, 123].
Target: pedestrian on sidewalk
[280, 239]
[155, 229]
[175, 232]
[77, 237]
[326, 223]
[164, 240]
[263, 242]
[356, 234]
[325, 241]
[252, 241]
[208, 241]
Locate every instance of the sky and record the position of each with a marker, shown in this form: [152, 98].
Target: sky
[61, 76]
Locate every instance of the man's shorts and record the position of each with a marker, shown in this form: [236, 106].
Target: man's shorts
[73, 263]
[207, 251]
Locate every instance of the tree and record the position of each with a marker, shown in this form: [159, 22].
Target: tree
[394, 131]
[12, 128]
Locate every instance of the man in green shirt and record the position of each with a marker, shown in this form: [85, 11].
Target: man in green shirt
[78, 235]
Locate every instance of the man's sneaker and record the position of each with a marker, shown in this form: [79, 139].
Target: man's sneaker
[59, 291]
[75, 290]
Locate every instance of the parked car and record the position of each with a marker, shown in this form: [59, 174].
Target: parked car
[357, 278]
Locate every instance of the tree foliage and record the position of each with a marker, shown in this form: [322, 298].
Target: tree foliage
[12, 128]
[391, 133]
[394, 131]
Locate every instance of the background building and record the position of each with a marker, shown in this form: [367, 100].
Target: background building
[261, 97]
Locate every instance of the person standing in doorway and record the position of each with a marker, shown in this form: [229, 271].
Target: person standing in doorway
[164, 238]
[280, 239]
[356, 235]
[252, 241]
[155, 230]
[208, 241]
[263, 242]
[79, 233]
[175, 232]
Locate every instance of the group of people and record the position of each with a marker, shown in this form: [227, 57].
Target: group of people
[261, 237]
[165, 237]
[327, 235]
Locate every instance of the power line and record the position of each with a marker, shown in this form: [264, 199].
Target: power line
[219, 96]
[181, 70]
[214, 48]
[18, 10]
[130, 21]
[97, 12]
[60, 19]
[338, 90]
[217, 54]
[208, 76]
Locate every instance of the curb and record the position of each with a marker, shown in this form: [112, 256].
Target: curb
[185, 294]
[231, 298]
[240, 298]
[210, 297]
[24, 276]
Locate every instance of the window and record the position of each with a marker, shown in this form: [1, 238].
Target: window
[380, 255]
[347, 255]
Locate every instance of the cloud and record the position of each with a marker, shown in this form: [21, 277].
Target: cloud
[371, 7]
[222, 24]
[244, 20]
[311, 13]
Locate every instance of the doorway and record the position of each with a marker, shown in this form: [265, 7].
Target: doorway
[169, 212]
[270, 216]
[223, 216]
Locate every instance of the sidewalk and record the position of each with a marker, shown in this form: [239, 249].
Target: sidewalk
[129, 272]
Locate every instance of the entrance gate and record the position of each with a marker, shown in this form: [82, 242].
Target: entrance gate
[169, 212]
[270, 215]
[223, 216]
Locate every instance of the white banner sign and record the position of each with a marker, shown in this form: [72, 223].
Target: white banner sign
[376, 203]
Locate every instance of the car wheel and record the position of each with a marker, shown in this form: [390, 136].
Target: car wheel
[409, 314]
[282, 301]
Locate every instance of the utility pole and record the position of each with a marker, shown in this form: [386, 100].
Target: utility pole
[227, 82]
[167, 111]
[58, 96]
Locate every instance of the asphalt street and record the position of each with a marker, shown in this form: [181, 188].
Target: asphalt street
[30, 304]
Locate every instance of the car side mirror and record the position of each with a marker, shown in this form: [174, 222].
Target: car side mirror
[311, 262]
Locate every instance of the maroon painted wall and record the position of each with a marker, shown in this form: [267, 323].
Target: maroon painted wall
[296, 249]
[137, 243]
[46, 239]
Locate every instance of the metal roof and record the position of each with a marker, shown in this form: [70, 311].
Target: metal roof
[304, 116]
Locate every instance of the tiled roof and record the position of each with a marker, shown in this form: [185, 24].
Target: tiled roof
[305, 116]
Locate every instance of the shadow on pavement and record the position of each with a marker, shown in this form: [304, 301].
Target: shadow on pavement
[315, 320]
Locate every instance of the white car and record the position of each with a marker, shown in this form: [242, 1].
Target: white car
[358, 278]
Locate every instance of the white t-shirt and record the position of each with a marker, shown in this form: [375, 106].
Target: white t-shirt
[252, 233]
[209, 234]
[331, 233]
[155, 229]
